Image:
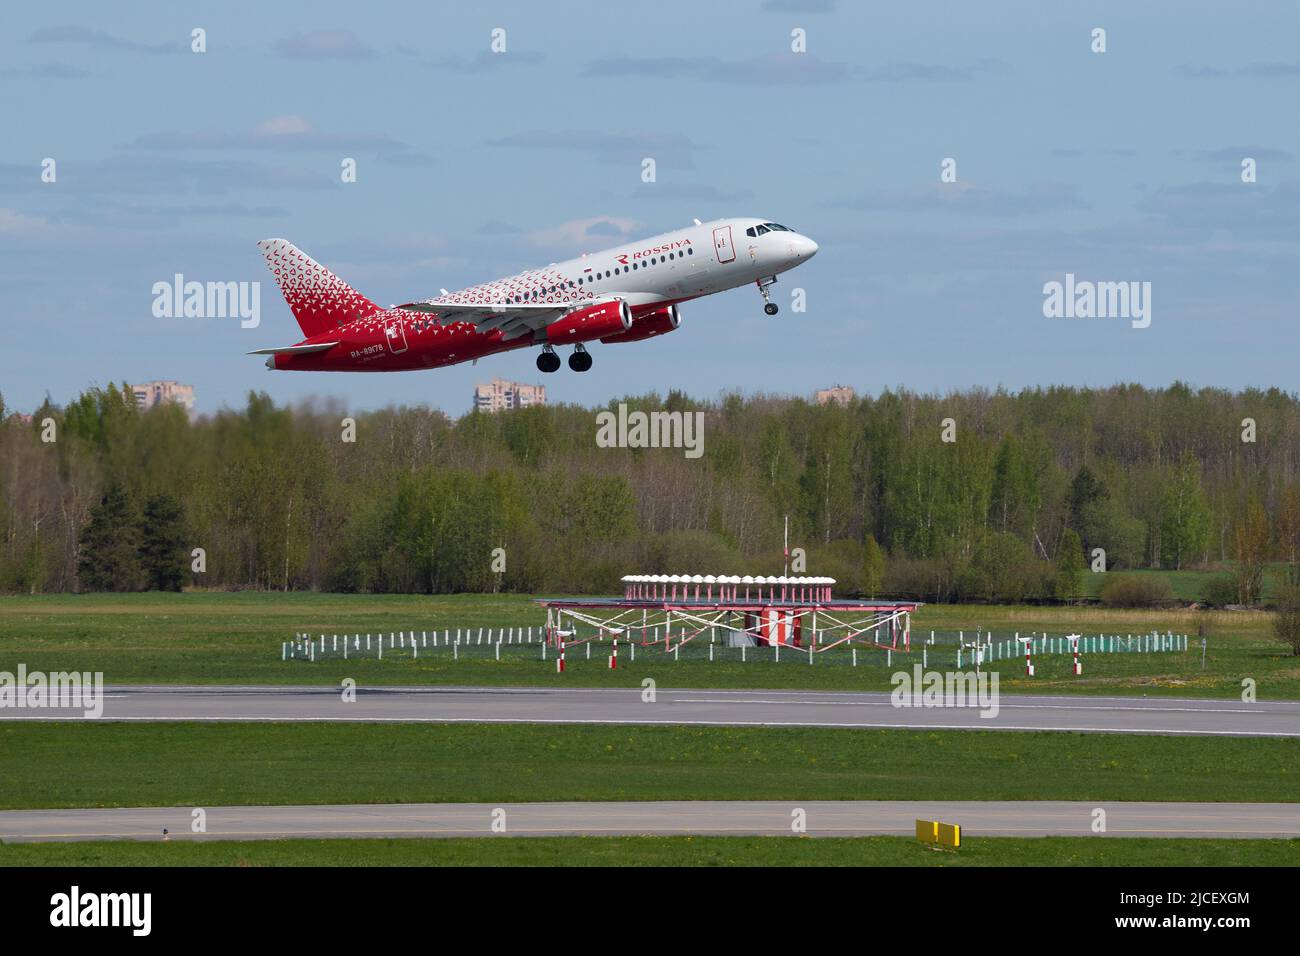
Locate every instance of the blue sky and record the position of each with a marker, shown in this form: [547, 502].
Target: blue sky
[1116, 166]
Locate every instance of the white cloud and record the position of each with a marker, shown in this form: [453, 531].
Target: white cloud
[15, 223]
[284, 126]
[595, 232]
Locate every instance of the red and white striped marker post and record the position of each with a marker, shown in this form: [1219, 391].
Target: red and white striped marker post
[1029, 660]
[559, 661]
[1078, 667]
[613, 658]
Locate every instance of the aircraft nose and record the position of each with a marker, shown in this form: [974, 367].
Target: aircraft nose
[804, 247]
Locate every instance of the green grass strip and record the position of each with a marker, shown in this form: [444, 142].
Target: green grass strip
[663, 851]
[50, 764]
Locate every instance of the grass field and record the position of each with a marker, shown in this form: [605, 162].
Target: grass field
[236, 638]
[1192, 584]
[1187, 585]
[662, 851]
[117, 765]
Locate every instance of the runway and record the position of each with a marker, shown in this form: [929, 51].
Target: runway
[753, 708]
[702, 818]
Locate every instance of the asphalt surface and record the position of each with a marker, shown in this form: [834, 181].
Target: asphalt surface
[759, 708]
[702, 818]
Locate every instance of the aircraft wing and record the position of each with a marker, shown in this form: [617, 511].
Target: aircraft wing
[517, 317]
[514, 318]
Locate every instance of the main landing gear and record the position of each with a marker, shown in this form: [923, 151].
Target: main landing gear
[548, 361]
[580, 360]
[764, 284]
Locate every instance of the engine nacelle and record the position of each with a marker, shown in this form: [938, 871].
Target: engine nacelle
[593, 322]
[646, 326]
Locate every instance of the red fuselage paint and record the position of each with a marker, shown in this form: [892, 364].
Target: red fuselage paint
[398, 340]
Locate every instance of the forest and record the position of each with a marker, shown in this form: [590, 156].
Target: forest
[974, 495]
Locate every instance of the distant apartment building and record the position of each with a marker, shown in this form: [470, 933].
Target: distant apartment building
[155, 393]
[498, 395]
[839, 394]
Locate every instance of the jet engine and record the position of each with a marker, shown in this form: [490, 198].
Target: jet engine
[592, 322]
[646, 326]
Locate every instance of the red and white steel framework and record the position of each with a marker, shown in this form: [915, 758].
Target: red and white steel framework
[669, 610]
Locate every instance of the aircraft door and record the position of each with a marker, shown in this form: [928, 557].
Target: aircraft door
[723, 250]
[395, 335]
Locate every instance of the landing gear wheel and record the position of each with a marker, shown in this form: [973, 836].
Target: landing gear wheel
[548, 361]
[580, 360]
[771, 308]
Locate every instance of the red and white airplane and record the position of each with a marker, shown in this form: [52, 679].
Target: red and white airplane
[624, 294]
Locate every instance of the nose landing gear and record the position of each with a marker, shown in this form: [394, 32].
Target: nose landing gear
[580, 360]
[548, 361]
[764, 284]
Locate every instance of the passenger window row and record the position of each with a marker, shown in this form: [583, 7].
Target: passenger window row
[595, 276]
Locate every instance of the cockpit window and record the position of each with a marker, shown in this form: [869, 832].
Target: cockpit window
[777, 227]
[761, 230]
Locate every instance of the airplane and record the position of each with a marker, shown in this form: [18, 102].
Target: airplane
[625, 294]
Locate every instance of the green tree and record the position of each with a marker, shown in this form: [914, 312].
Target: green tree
[1015, 493]
[1086, 490]
[1286, 620]
[30, 572]
[110, 556]
[162, 543]
[873, 568]
[1185, 515]
[1070, 566]
[1288, 532]
[826, 485]
[528, 433]
[1251, 540]
[999, 570]
[1107, 525]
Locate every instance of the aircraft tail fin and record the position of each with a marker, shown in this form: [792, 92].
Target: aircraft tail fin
[320, 300]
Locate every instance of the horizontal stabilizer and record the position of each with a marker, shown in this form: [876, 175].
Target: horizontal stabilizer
[294, 349]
